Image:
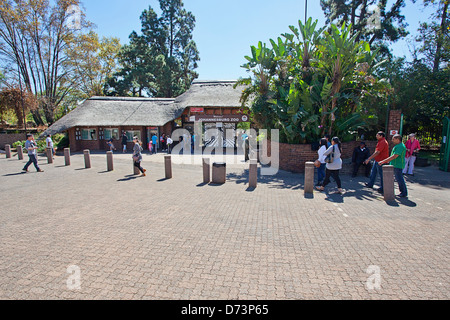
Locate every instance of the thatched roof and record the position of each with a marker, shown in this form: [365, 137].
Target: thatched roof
[125, 111]
[211, 94]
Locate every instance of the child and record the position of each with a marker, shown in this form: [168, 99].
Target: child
[111, 145]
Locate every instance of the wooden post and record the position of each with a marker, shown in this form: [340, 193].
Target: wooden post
[87, 159]
[67, 156]
[206, 170]
[49, 155]
[20, 152]
[109, 161]
[309, 177]
[168, 166]
[253, 173]
[388, 183]
[8, 151]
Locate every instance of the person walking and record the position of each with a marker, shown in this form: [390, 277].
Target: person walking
[412, 149]
[124, 142]
[361, 154]
[381, 153]
[321, 153]
[31, 146]
[137, 155]
[397, 160]
[111, 145]
[333, 165]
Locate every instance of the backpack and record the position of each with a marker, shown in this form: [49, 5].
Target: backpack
[330, 157]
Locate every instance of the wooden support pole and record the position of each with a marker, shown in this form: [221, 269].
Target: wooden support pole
[168, 166]
[87, 159]
[67, 156]
[309, 177]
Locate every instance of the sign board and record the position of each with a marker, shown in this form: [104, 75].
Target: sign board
[198, 110]
[393, 132]
[219, 118]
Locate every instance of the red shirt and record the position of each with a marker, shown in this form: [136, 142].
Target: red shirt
[383, 149]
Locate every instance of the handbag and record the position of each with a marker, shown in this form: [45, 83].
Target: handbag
[135, 158]
[330, 157]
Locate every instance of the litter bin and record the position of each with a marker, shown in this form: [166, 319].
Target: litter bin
[219, 172]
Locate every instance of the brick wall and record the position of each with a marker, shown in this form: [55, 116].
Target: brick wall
[293, 157]
[7, 138]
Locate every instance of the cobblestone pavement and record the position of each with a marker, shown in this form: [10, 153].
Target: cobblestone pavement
[132, 237]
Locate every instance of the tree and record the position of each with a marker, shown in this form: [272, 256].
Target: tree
[161, 61]
[372, 20]
[12, 99]
[33, 38]
[312, 82]
[93, 61]
[434, 37]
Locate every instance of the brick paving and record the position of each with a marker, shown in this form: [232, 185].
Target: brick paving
[150, 238]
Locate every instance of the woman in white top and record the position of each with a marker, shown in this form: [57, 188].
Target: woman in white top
[334, 167]
[321, 159]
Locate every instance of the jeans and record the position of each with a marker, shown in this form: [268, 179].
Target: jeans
[398, 173]
[409, 165]
[335, 175]
[321, 173]
[33, 160]
[373, 175]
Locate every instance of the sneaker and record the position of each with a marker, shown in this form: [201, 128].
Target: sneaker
[380, 190]
[25, 170]
[320, 188]
[40, 170]
[340, 191]
[368, 186]
[402, 195]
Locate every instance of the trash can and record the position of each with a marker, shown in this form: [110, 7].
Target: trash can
[219, 172]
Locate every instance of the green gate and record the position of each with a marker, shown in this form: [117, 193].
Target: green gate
[445, 147]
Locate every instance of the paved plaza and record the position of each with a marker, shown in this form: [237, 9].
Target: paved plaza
[75, 233]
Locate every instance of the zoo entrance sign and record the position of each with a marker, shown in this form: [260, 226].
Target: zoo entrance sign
[220, 118]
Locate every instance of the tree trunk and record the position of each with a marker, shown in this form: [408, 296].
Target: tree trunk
[440, 40]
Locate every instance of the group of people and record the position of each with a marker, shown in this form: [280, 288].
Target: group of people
[402, 158]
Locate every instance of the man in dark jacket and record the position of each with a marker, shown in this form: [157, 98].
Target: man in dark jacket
[360, 155]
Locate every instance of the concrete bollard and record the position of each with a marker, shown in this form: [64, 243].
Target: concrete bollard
[8, 151]
[309, 177]
[206, 170]
[67, 156]
[87, 159]
[136, 170]
[20, 152]
[253, 173]
[49, 155]
[168, 166]
[219, 172]
[388, 183]
[109, 161]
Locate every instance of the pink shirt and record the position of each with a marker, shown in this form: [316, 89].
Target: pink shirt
[411, 146]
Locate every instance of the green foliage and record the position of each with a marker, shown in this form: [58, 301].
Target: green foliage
[161, 61]
[311, 82]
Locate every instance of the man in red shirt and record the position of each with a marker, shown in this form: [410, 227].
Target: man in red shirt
[381, 153]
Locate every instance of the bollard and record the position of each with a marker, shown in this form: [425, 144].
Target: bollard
[8, 151]
[253, 173]
[20, 152]
[49, 155]
[388, 183]
[87, 159]
[168, 166]
[136, 170]
[109, 161]
[67, 156]
[219, 172]
[309, 177]
[206, 170]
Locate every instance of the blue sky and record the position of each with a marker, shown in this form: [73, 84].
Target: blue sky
[225, 29]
